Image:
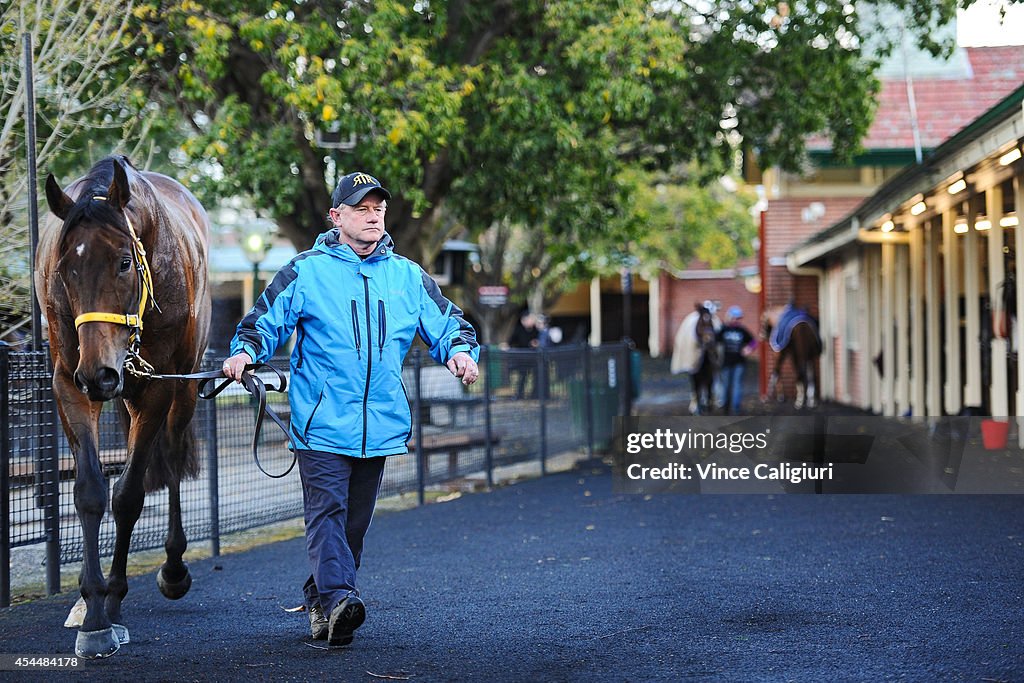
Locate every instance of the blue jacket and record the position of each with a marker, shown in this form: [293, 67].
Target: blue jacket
[354, 321]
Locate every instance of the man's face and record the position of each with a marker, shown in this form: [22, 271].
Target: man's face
[361, 226]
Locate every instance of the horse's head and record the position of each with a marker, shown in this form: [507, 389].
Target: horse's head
[97, 274]
[706, 332]
[766, 326]
[769, 319]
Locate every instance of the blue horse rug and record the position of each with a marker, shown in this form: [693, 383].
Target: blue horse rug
[788, 319]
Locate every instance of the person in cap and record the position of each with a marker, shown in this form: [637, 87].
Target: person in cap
[355, 307]
[737, 343]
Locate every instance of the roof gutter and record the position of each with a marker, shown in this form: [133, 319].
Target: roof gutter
[802, 256]
[794, 269]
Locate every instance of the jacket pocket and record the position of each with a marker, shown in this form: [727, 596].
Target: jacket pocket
[300, 337]
[382, 328]
[355, 328]
[309, 421]
[337, 417]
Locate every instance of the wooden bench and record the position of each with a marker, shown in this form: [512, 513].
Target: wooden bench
[444, 411]
[23, 471]
[453, 443]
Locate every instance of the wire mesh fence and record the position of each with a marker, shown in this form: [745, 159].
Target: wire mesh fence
[530, 404]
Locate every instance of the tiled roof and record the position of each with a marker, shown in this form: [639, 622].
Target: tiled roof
[944, 105]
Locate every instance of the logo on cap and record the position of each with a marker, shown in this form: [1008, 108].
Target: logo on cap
[353, 187]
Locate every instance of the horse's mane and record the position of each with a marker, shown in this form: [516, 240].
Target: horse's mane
[96, 184]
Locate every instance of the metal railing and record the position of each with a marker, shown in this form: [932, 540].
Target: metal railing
[530, 404]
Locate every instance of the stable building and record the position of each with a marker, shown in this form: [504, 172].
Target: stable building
[918, 285]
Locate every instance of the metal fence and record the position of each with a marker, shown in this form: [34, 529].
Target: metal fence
[529, 404]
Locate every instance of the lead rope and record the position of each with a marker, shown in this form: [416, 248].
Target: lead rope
[256, 388]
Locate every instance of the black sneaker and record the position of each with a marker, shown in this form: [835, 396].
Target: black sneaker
[345, 618]
[317, 622]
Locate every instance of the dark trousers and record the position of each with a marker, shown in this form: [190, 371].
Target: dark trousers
[732, 378]
[338, 496]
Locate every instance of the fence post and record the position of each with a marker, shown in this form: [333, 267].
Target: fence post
[542, 384]
[5, 480]
[50, 465]
[213, 475]
[417, 416]
[588, 399]
[485, 356]
[626, 393]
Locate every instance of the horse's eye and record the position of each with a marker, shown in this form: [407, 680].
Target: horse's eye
[126, 263]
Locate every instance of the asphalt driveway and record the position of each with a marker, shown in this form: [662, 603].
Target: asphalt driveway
[560, 579]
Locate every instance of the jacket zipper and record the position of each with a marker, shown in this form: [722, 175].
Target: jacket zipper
[355, 328]
[369, 356]
[382, 329]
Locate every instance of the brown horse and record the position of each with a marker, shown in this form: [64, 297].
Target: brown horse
[125, 252]
[802, 346]
[704, 374]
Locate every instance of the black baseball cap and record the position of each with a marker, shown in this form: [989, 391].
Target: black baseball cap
[353, 187]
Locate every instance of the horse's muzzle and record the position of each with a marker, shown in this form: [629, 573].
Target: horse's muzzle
[103, 386]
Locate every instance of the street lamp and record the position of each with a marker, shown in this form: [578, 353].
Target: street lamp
[256, 244]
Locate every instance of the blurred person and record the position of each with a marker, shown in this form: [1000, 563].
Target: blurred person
[737, 343]
[525, 336]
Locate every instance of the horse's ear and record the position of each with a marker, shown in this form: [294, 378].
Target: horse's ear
[119, 194]
[60, 204]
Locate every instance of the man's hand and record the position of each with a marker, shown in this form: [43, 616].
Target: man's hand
[462, 365]
[234, 367]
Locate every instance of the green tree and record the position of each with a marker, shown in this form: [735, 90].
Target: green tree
[521, 111]
[672, 218]
[83, 95]
[533, 115]
[687, 219]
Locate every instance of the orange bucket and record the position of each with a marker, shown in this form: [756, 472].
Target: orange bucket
[994, 434]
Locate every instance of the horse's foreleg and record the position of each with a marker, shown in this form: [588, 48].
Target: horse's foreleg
[80, 416]
[130, 496]
[773, 379]
[694, 394]
[801, 382]
[174, 579]
[811, 386]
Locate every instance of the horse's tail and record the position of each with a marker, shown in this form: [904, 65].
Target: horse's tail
[173, 458]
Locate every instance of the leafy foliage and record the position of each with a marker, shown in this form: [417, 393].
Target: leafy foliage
[86, 107]
[526, 112]
[541, 114]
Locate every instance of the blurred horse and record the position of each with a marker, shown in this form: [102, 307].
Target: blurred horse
[118, 241]
[793, 334]
[695, 352]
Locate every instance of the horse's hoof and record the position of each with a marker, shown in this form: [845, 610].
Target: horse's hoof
[96, 644]
[173, 590]
[121, 632]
